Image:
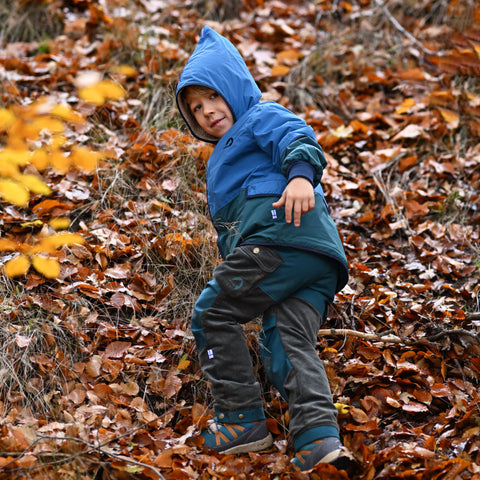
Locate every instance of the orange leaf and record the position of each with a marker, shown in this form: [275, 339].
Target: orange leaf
[290, 56]
[407, 162]
[406, 105]
[279, 70]
[368, 216]
[7, 245]
[183, 364]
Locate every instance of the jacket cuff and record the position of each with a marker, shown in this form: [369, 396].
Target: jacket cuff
[301, 168]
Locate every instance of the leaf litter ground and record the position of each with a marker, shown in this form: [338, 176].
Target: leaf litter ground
[100, 377]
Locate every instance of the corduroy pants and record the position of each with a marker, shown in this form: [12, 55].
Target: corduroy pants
[291, 289]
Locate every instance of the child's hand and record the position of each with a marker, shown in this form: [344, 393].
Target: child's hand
[298, 197]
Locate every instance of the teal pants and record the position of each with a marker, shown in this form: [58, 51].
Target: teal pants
[291, 289]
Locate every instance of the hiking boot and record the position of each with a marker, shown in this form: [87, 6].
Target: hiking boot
[237, 438]
[328, 450]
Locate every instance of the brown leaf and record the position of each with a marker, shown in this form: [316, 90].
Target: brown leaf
[414, 407]
[172, 386]
[117, 349]
[93, 366]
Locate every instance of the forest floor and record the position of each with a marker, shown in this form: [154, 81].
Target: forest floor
[106, 241]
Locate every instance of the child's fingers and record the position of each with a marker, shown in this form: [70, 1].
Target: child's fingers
[289, 206]
[280, 202]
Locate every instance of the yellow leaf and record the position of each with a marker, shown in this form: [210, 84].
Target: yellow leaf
[451, 118]
[13, 192]
[59, 161]
[67, 113]
[126, 70]
[110, 90]
[57, 141]
[92, 95]
[7, 245]
[60, 223]
[406, 105]
[48, 267]
[279, 70]
[17, 266]
[6, 118]
[8, 169]
[51, 125]
[34, 184]
[40, 159]
[35, 223]
[50, 244]
[342, 409]
[27, 130]
[85, 159]
[18, 157]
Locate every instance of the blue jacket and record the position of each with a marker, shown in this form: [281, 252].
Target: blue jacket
[253, 162]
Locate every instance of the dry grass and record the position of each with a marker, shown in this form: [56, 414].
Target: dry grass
[38, 348]
[32, 21]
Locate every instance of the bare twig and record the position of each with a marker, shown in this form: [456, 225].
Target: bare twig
[109, 454]
[402, 30]
[91, 447]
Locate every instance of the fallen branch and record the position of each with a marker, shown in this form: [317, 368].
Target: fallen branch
[403, 31]
[343, 332]
[454, 332]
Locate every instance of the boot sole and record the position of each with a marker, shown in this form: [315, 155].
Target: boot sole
[256, 446]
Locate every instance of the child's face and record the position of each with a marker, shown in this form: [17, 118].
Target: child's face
[210, 111]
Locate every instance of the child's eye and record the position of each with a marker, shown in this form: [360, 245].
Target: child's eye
[214, 95]
[196, 108]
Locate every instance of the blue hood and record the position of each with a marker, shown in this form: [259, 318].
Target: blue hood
[217, 64]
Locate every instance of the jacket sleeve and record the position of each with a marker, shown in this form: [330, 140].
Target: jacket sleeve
[289, 141]
[304, 158]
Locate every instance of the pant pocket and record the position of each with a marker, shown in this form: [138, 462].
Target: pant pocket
[245, 268]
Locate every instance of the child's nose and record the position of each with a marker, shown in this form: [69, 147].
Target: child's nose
[209, 108]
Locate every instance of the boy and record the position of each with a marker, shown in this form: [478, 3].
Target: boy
[283, 258]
